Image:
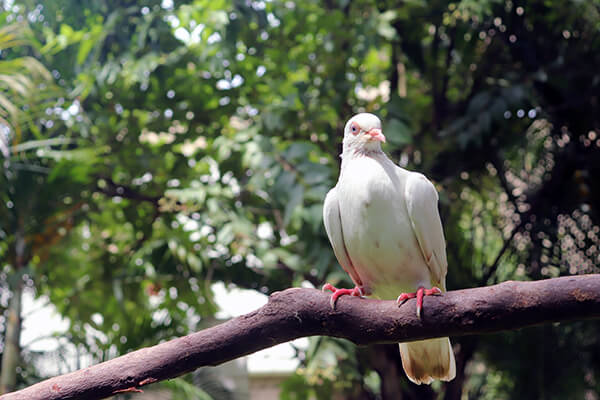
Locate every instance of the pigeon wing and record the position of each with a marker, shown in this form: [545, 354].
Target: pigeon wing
[422, 204]
[333, 227]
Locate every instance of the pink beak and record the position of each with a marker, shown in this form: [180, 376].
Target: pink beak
[376, 135]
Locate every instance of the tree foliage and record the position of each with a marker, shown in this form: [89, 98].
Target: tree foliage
[194, 141]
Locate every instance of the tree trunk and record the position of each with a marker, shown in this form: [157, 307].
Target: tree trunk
[12, 336]
[388, 369]
[466, 350]
[11, 353]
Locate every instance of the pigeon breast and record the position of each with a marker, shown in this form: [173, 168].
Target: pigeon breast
[376, 226]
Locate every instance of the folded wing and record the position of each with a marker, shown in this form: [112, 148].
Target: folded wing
[333, 227]
[422, 204]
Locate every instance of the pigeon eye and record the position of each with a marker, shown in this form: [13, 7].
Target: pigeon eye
[354, 128]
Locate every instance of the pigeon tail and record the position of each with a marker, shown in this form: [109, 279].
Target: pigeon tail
[426, 360]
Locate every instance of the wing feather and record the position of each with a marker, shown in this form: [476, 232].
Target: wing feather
[422, 204]
[333, 227]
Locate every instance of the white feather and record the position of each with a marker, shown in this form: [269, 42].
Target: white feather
[333, 227]
[421, 201]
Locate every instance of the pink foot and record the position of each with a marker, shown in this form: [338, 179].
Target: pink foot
[421, 291]
[357, 291]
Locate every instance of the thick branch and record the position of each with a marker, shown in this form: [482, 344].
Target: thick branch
[295, 313]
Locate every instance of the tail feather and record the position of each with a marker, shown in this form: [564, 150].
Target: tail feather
[426, 360]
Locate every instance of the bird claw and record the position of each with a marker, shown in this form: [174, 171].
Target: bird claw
[419, 294]
[403, 297]
[357, 291]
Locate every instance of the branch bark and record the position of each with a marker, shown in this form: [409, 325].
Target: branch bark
[295, 313]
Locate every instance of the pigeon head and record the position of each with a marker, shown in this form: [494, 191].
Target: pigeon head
[363, 133]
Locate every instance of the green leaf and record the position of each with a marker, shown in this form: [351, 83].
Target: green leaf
[295, 199]
[397, 132]
[384, 27]
[183, 390]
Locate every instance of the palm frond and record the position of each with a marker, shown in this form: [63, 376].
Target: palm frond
[36, 144]
[23, 81]
[12, 35]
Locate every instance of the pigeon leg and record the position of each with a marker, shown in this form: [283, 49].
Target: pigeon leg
[358, 291]
[421, 291]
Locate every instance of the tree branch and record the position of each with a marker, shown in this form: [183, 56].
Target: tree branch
[489, 271]
[295, 313]
[114, 189]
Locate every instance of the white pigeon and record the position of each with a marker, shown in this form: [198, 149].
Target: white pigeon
[385, 229]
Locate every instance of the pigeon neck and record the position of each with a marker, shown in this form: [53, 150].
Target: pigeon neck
[352, 151]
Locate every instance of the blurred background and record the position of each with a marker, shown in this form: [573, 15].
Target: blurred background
[163, 162]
